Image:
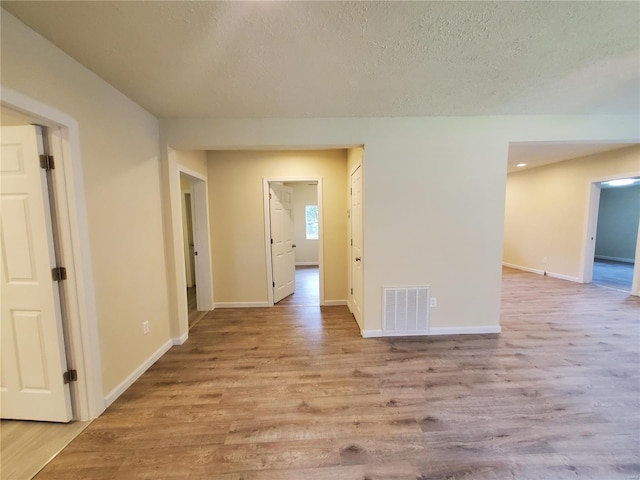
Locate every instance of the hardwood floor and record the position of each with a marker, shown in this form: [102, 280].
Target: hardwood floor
[612, 274]
[195, 315]
[26, 447]
[295, 393]
[307, 292]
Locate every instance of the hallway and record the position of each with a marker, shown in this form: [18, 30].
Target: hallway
[307, 293]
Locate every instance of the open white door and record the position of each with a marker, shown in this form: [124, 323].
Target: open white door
[282, 255]
[356, 245]
[33, 356]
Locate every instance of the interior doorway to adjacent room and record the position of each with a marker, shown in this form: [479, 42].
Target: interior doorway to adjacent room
[616, 233]
[294, 227]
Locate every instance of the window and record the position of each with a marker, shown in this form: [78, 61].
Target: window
[311, 215]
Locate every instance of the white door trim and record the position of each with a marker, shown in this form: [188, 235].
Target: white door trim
[267, 231]
[84, 348]
[202, 240]
[591, 224]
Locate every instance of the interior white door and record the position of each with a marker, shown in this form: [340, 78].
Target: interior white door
[33, 356]
[356, 294]
[283, 259]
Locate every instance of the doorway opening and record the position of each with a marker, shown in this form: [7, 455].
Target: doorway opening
[615, 236]
[293, 230]
[81, 345]
[195, 240]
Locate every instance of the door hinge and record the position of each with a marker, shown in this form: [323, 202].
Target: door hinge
[352, 291]
[269, 196]
[351, 191]
[352, 242]
[272, 241]
[59, 274]
[274, 284]
[70, 376]
[47, 162]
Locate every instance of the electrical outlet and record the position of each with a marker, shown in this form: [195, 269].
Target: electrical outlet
[434, 302]
[145, 327]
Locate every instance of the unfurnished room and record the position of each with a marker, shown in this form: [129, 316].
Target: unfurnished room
[282, 240]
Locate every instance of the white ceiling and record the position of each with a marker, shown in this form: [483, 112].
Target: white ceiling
[351, 59]
[537, 154]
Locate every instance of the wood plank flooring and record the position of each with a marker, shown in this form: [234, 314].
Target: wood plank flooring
[295, 393]
[307, 288]
[613, 274]
[195, 315]
[26, 447]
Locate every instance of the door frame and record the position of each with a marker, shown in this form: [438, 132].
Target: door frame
[187, 211]
[84, 347]
[267, 230]
[591, 225]
[201, 239]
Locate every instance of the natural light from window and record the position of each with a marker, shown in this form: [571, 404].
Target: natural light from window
[311, 215]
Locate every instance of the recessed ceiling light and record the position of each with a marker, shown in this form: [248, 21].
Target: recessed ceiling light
[620, 183]
[521, 165]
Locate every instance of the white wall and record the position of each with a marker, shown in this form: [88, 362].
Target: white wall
[306, 250]
[434, 193]
[119, 156]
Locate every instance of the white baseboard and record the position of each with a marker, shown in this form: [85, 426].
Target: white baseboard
[306, 264]
[371, 333]
[562, 277]
[615, 259]
[434, 331]
[524, 269]
[241, 304]
[465, 330]
[334, 303]
[541, 272]
[137, 373]
[181, 339]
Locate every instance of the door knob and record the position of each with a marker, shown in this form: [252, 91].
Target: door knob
[294, 245]
[358, 259]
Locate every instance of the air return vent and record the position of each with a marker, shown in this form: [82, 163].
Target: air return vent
[405, 309]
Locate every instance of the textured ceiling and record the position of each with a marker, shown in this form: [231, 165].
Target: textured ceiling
[335, 59]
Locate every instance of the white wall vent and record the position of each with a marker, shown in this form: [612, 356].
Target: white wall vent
[405, 309]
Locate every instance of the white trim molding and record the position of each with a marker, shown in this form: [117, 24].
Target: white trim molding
[542, 272]
[180, 340]
[479, 330]
[334, 303]
[242, 304]
[615, 259]
[136, 374]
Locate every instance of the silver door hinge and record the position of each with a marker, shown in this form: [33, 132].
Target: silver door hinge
[47, 162]
[59, 274]
[70, 376]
